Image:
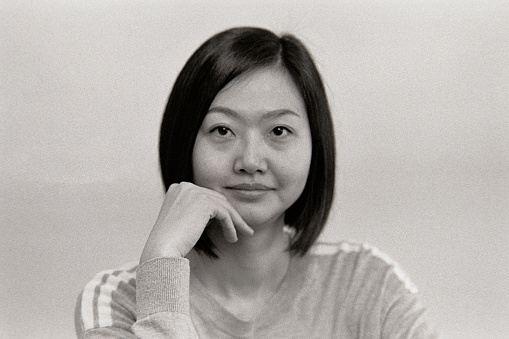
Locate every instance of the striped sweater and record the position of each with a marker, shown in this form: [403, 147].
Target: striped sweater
[343, 290]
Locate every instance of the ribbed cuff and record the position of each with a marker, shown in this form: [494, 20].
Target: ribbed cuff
[162, 285]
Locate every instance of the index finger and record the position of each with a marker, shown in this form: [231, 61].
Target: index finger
[237, 222]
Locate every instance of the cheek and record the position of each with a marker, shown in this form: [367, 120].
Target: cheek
[200, 173]
[208, 166]
[200, 164]
[295, 169]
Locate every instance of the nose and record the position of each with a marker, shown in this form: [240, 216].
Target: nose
[251, 157]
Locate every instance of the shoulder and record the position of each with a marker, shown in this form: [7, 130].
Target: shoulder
[109, 299]
[359, 261]
[377, 294]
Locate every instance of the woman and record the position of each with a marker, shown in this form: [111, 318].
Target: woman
[247, 157]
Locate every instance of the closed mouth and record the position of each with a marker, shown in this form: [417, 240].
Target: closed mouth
[250, 187]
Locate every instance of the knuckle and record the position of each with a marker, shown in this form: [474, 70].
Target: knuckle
[173, 186]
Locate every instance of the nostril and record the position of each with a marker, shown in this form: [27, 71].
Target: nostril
[250, 161]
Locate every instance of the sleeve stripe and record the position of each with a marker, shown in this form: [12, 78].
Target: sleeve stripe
[397, 270]
[324, 248]
[104, 300]
[96, 299]
[95, 304]
[88, 308]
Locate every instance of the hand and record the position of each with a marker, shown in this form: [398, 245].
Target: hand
[185, 213]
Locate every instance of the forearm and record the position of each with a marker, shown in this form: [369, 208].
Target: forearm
[162, 294]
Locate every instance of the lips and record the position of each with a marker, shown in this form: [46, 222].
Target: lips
[248, 192]
[250, 187]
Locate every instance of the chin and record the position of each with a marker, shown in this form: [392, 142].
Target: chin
[256, 221]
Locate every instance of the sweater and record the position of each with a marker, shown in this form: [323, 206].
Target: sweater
[336, 290]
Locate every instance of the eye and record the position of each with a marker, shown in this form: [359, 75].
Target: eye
[280, 131]
[222, 131]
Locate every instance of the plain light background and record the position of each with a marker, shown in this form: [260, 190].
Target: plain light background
[419, 92]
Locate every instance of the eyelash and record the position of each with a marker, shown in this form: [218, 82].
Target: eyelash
[282, 129]
[217, 129]
[225, 130]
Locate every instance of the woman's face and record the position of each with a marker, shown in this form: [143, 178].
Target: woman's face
[254, 145]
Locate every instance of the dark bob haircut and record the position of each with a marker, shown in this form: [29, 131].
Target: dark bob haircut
[222, 58]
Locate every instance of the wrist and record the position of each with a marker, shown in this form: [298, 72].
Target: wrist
[166, 253]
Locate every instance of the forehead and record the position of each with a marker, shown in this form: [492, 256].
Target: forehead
[265, 89]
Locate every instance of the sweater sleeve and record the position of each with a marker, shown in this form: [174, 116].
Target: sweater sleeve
[151, 303]
[162, 295]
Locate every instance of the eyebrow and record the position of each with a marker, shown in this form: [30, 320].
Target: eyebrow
[268, 115]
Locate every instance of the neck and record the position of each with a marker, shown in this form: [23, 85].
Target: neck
[250, 268]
